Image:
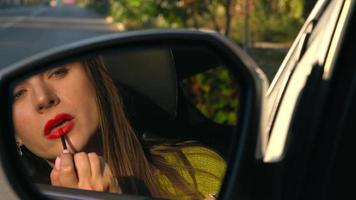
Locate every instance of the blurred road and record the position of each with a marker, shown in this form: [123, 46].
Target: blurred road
[25, 31]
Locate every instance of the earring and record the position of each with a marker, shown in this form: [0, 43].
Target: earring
[19, 150]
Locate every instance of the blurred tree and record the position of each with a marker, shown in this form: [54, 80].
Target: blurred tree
[276, 20]
[262, 20]
[213, 14]
[269, 20]
[215, 93]
[102, 6]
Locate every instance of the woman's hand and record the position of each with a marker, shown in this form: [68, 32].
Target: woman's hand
[85, 171]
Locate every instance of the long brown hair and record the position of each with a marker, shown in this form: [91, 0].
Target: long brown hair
[123, 150]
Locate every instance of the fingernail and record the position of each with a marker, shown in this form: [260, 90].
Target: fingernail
[66, 151]
[57, 163]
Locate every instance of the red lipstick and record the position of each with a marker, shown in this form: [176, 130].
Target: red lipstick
[60, 125]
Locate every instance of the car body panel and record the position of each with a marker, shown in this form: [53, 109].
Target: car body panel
[308, 117]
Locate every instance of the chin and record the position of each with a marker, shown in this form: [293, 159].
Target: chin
[75, 146]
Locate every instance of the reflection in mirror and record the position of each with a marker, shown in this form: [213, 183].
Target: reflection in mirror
[214, 93]
[153, 122]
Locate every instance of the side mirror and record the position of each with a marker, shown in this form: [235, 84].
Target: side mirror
[174, 110]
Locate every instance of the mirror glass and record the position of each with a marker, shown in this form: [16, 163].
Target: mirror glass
[152, 121]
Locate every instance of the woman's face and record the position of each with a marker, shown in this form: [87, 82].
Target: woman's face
[59, 101]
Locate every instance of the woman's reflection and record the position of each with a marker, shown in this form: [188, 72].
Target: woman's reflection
[80, 104]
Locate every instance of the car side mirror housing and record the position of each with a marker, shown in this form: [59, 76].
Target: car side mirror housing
[175, 86]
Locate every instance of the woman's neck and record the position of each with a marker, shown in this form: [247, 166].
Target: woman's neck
[94, 145]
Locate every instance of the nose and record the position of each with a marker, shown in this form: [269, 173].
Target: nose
[44, 97]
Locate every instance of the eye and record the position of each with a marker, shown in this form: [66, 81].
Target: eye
[18, 94]
[58, 72]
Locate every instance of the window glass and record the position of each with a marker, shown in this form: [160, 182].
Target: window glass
[215, 95]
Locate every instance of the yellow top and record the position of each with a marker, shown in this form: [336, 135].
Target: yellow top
[207, 166]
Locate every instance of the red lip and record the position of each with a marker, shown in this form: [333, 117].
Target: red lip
[60, 125]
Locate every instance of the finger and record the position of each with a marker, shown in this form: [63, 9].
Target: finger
[82, 165]
[95, 166]
[55, 172]
[67, 174]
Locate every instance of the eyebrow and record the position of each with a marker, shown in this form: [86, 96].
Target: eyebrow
[18, 84]
[24, 81]
[50, 70]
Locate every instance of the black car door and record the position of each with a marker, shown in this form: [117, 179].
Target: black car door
[311, 109]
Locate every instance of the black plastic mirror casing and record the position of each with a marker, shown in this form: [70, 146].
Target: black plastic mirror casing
[237, 183]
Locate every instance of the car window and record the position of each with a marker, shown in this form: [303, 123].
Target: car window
[214, 94]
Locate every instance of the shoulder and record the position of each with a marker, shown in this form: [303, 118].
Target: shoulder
[207, 166]
[202, 158]
[199, 157]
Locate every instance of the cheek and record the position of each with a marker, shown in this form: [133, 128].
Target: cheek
[23, 120]
[87, 103]
[91, 111]
[29, 130]
[82, 98]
